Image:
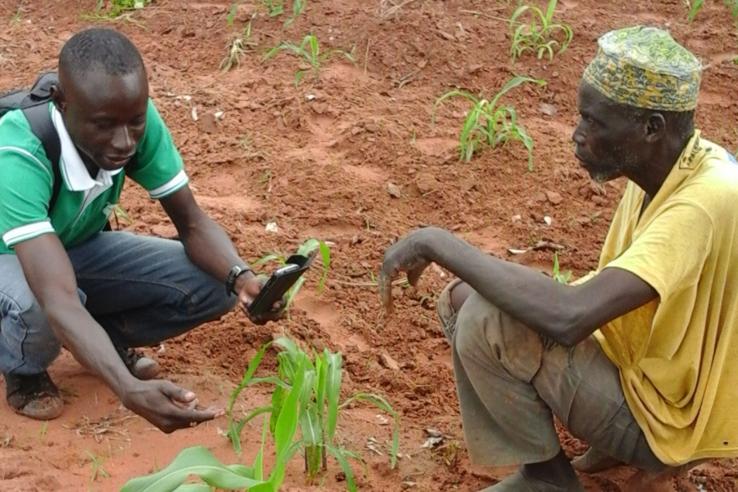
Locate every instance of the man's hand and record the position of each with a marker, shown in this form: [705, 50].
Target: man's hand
[166, 405]
[248, 287]
[406, 255]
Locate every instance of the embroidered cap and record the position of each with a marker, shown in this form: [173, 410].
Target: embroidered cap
[644, 67]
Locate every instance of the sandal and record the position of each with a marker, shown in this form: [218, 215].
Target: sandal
[138, 364]
[35, 395]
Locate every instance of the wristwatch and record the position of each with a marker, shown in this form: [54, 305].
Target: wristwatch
[233, 274]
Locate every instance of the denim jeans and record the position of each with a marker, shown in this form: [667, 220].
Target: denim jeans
[142, 290]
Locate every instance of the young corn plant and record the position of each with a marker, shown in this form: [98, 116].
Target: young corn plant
[307, 248]
[199, 462]
[308, 51]
[317, 410]
[488, 122]
[541, 34]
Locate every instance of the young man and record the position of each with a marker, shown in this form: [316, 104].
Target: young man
[64, 282]
[638, 358]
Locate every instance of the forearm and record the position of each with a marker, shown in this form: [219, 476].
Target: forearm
[89, 344]
[525, 294]
[209, 247]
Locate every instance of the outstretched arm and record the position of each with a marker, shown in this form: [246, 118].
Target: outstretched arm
[566, 314]
[51, 278]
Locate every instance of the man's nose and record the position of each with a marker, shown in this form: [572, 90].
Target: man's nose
[122, 141]
[578, 136]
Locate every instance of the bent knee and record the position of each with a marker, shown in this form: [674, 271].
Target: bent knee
[485, 331]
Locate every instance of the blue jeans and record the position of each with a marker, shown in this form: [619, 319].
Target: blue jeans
[142, 290]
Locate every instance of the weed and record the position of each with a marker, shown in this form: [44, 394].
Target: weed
[238, 47]
[42, 431]
[120, 216]
[98, 471]
[490, 123]
[116, 9]
[694, 7]
[274, 8]
[309, 51]
[17, 16]
[540, 34]
[561, 277]
[317, 410]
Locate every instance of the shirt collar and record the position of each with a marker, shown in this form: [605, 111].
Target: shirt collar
[73, 170]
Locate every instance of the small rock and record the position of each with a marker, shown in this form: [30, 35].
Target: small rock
[474, 69]
[539, 197]
[394, 190]
[426, 183]
[271, 227]
[548, 220]
[371, 127]
[388, 362]
[554, 198]
[547, 109]
[516, 218]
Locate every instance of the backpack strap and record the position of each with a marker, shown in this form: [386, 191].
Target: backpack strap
[39, 119]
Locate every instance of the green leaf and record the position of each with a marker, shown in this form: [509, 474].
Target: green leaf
[513, 83]
[196, 461]
[550, 12]
[232, 11]
[338, 453]
[194, 487]
[333, 393]
[695, 7]
[250, 370]
[259, 458]
[280, 259]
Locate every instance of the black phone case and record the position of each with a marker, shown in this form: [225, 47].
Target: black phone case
[278, 285]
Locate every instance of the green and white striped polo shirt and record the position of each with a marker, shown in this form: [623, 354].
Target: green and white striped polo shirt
[83, 204]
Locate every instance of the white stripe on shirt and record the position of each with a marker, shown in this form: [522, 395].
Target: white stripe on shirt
[169, 187]
[25, 232]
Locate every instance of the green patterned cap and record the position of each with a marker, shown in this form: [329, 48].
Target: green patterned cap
[644, 67]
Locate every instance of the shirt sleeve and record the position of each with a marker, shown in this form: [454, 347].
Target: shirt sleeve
[25, 191]
[670, 252]
[158, 168]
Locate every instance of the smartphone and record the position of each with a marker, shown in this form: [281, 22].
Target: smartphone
[279, 283]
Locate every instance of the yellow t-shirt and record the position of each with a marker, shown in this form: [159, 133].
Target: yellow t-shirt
[678, 355]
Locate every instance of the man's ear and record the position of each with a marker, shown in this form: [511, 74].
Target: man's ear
[655, 127]
[57, 95]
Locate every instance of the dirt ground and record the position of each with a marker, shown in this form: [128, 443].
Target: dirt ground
[317, 159]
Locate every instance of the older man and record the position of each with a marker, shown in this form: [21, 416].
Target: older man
[638, 358]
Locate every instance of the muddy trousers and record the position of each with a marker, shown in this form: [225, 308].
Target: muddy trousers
[142, 290]
[511, 382]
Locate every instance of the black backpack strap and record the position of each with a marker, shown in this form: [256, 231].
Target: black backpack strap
[39, 118]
